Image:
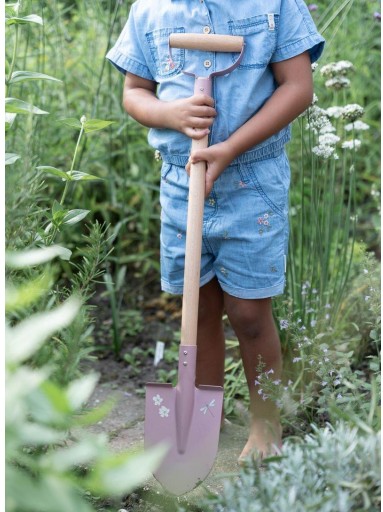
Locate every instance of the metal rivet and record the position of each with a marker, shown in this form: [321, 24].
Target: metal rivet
[185, 352]
[185, 363]
[206, 29]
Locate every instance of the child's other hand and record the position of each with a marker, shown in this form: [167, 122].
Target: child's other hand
[192, 116]
[217, 158]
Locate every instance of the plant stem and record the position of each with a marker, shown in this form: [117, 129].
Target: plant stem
[73, 162]
[12, 66]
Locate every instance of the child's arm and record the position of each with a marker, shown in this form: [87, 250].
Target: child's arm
[192, 116]
[293, 95]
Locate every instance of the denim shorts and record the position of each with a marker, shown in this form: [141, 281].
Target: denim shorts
[245, 228]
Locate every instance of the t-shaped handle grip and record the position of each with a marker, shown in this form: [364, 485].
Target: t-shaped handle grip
[206, 42]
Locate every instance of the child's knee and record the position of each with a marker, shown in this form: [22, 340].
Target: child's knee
[251, 319]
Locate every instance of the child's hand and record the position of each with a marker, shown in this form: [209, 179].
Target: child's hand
[192, 116]
[217, 158]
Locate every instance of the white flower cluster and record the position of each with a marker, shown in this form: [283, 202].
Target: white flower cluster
[351, 144]
[352, 112]
[358, 126]
[340, 68]
[336, 73]
[338, 83]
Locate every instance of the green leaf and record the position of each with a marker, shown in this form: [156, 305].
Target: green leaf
[9, 120]
[93, 125]
[80, 390]
[75, 216]
[82, 176]
[22, 76]
[35, 434]
[15, 106]
[27, 337]
[10, 158]
[57, 207]
[31, 18]
[46, 494]
[27, 293]
[36, 256]
[81, 453]
[55, 172]
[121, 474]
[10, 9]
[72, 122]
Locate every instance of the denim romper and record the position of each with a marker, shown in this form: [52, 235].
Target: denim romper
[245, 229]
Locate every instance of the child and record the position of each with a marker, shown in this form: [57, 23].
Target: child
[245, 231]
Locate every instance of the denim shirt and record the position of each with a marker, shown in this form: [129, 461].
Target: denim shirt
[273, 30]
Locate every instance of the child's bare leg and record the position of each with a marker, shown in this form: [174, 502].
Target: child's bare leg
[210, 336]
[253, 323]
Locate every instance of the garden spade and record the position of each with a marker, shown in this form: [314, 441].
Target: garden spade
[188, 418]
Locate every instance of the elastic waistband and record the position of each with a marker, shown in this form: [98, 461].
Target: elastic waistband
[271, 150]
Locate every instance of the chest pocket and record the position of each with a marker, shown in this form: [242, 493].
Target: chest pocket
[158, 42]
[260, 34]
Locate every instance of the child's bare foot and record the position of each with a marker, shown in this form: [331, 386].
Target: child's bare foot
[265, 439]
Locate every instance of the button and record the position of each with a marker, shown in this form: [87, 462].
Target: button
[207, 63]
[206, 30]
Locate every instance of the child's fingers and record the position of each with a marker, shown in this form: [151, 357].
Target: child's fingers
[197, 134]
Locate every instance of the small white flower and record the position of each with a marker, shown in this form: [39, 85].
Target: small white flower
[365, 271]
[328, 139]
[327, 316]
[336, 382]
[367, 298]
[164, 411]
[289, 382]
[339, 396]
[333, 69]
[323, 151]
[157, 400]
[357, 126]
[270, 371]
[326, 359]
[337, 83]
[83, 119]
[351, 144]
[313, 323]
[260, 391]
[328, 306]
[297, 359]
[314, 66]
[277, 382]
[257, 383]
[352, 112]
[327, 128]
[334, 112]
[324, 383]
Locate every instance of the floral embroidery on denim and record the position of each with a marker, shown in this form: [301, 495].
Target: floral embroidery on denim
[179, 235]
[241, 184]
[168, 64]
[211, 201]
[264, 222]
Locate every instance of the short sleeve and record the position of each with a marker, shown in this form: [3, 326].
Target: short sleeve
[297, 32]
[127, 54]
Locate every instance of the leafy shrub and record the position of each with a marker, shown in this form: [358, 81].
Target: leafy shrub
[52, 462]
[333, 469]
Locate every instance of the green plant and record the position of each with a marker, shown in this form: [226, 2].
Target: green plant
[335, 468]
[52, 461]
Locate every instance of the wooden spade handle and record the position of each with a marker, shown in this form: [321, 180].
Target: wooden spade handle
[206, 42]
[193, 248]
